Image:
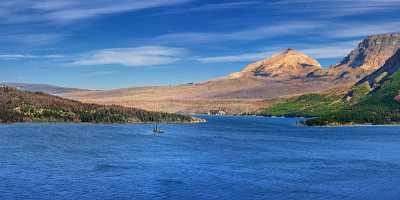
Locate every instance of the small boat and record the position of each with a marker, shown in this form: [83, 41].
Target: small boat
[157, 129]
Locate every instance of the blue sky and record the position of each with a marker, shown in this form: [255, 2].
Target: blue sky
[104, 44]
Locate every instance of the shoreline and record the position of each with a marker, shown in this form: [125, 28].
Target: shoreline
[195, 120]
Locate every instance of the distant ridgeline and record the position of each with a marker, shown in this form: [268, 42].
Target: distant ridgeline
[375, 99]
[23, 106]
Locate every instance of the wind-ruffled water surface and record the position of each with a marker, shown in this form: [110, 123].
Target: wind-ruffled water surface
[226, 158]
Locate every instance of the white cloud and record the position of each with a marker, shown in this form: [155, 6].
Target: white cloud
[273, 30]
[19, 37]
[336, 50]
[36, 39]
[28, 56]
[246, 57]
[138, 56]
[110, 8]
[362, 29]
[214, 7]
[23, 11]
[322, 51]
[337, 8]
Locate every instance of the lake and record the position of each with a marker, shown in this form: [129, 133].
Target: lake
[227, 158]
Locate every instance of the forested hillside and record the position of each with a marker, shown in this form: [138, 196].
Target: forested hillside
[23, 106]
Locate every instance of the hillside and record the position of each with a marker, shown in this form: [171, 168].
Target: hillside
[23, 106]
[273, 79]
[45, 88]
[373, 100]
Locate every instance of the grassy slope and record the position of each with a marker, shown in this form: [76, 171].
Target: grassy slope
[20, 106]
[378, 107]
[309, 105]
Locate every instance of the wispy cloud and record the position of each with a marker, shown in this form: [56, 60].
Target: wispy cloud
[335, 50]
[269, 31]
[28, 56]
[321, 51]
[337, 8]
[318, 30]
[23, 11]
[361, 29]
[245, 57]
[138, 56]
[214, 7]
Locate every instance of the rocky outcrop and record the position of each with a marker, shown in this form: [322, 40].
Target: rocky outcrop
[370, 54]
[286, 65]
[391, 66]
[375, 80]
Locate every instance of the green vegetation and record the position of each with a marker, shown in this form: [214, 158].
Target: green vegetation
[310, 105]
[21, 106]
[364, 107]
[359, 91]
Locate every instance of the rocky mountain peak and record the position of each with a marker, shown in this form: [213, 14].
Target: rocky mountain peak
[287, 64]
[290, 50]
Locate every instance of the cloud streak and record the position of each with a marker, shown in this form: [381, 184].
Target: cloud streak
[324, 51]
[337, 8]
[361, 29]
[28, 56]
[214, 7]
[133, 57]
[264, 32]
[24, 11]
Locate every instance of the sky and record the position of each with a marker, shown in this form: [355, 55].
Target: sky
[106, 44]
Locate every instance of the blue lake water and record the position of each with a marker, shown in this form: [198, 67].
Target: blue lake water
[226, 158]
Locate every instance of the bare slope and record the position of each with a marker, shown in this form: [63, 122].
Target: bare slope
[49, 89]
[286, 74]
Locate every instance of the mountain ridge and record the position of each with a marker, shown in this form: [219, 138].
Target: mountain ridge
[288, 64]
[370, 54]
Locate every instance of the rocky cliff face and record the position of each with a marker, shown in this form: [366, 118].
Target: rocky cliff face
[286, 65]
[370, 54]
[391, 66]
[376, 80]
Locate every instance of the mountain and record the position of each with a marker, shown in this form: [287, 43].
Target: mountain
[379, 76]
[262, 83]
[377, 81]
[49, 89]
[370, 54]
[289, 64]
[24, 106]
[374, 100]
